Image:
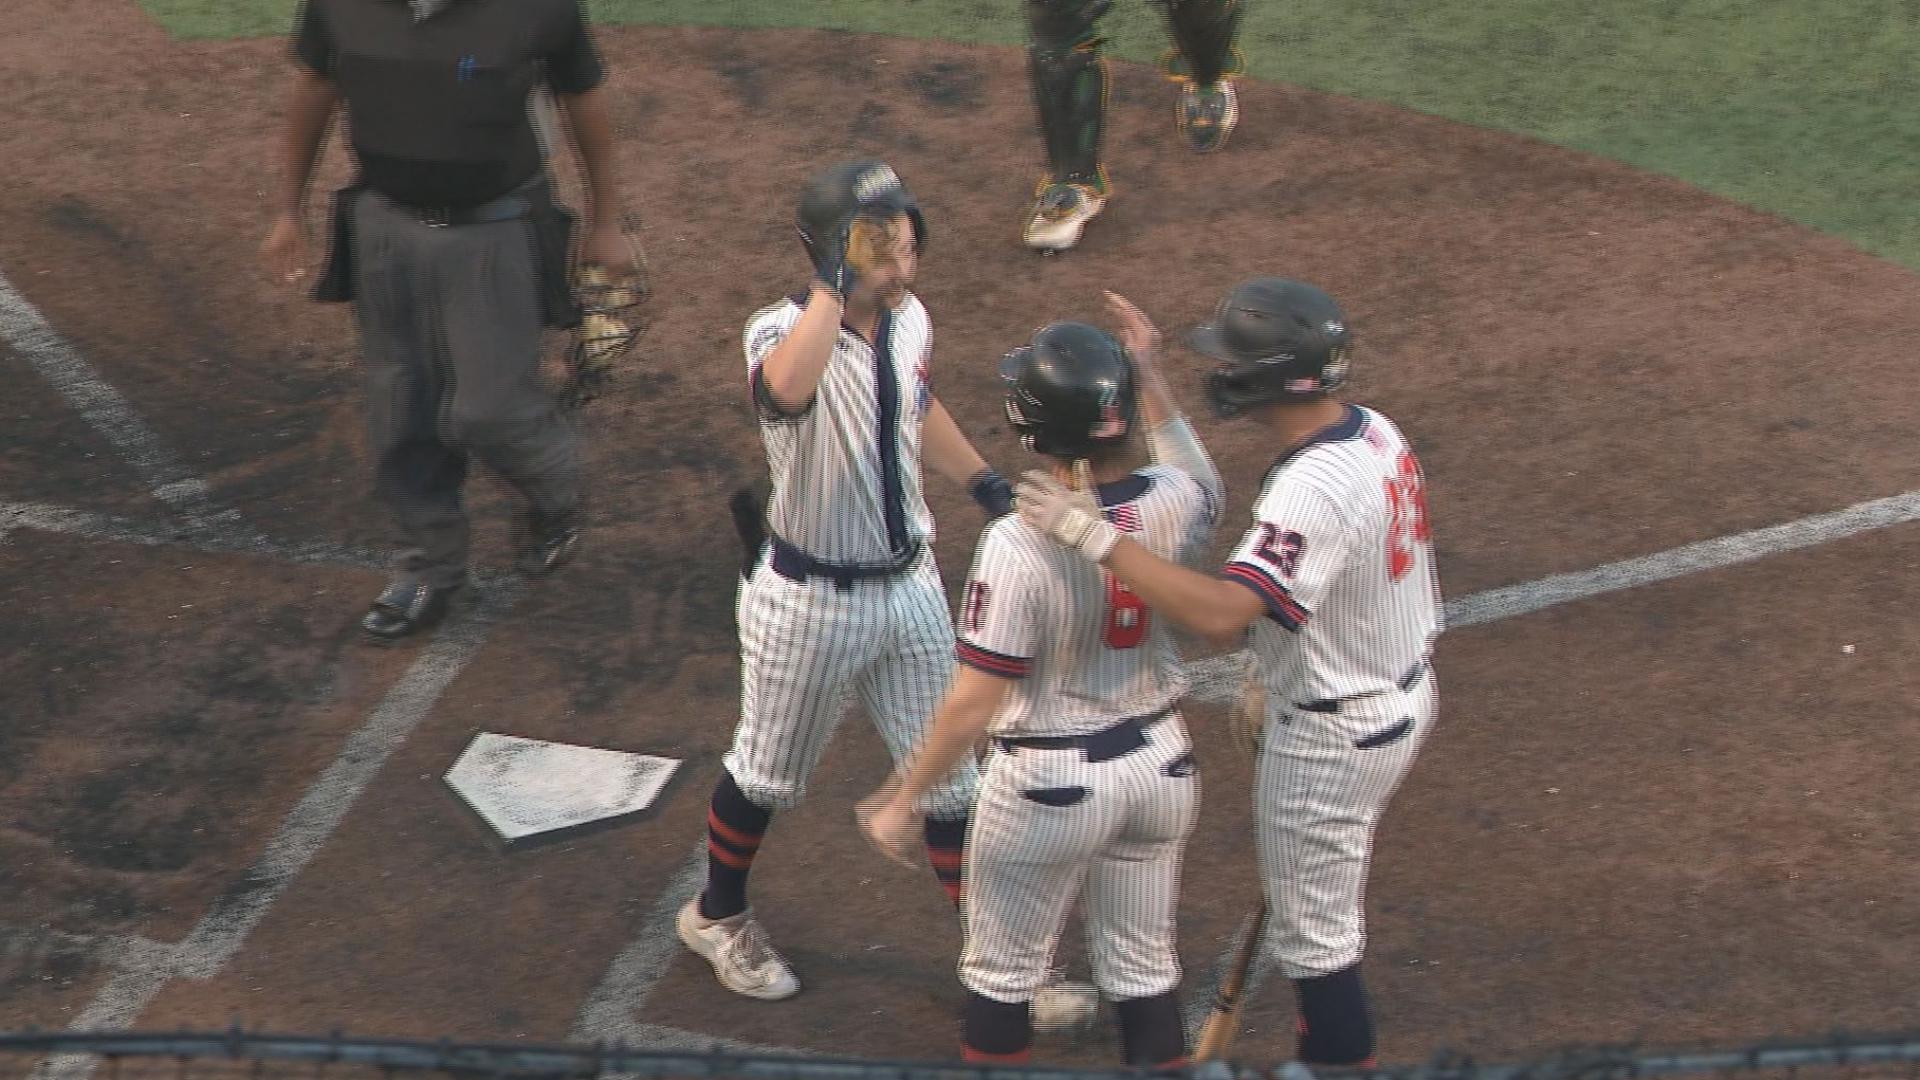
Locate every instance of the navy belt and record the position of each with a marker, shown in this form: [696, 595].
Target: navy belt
[1332, 705]
[797, 566]
[1106, 744]
[512, 206]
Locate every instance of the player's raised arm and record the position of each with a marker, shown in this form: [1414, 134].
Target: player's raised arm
[790, 374]
[1170, 439]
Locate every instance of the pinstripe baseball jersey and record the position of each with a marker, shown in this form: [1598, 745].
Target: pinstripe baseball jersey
[1342, 554]
[1086, 651]
[846, 466]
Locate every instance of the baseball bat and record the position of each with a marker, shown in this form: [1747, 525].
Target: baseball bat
[1216, 1038]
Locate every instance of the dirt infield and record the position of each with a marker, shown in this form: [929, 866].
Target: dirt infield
[1665, 813]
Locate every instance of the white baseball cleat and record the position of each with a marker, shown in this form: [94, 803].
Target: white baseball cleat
[737, 947]
[1060, 214]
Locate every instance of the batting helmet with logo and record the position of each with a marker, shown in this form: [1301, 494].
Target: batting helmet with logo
[1277, 340]
[1071, 391]
[833, 196]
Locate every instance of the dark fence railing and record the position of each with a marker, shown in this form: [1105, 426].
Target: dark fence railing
[241, 1055]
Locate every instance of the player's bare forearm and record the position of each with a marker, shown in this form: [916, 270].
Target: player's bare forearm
[946, 448]
[591, 124]
[1217, 609]
[310, 108]
[971, 702]
[793, 369]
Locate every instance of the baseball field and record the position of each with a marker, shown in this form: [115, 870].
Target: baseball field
[1638, 279]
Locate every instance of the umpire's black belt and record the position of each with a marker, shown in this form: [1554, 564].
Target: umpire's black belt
[797, 566]
[1106, 744]
[514, 205]
[1332, 705]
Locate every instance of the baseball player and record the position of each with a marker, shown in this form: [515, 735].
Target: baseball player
[1069, 80]
[846, 596]
[1090, 782]
[1336, 580]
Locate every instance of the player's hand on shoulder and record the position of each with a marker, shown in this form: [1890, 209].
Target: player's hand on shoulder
[1071, 517]
[1134, 329]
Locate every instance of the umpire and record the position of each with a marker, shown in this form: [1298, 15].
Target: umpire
[454, 254]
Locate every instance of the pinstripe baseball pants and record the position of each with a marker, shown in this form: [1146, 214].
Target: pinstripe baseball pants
[804, 646]
[1323, 781]
[1051, 823]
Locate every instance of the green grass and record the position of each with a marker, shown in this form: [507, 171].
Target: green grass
[1801, 107]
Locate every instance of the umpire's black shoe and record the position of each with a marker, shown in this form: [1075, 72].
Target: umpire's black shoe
[405, 608]
[544, 550]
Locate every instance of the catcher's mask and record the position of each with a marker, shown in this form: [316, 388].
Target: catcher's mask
[857, 187]
[1277, 340]
[611, 320]
[1071, 391]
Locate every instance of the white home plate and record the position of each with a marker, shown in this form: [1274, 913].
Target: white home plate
[528, 790]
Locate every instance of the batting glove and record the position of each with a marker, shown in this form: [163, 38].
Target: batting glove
[830, 263]
[1070, 517]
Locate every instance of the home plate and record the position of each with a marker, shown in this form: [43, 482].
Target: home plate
[530, 790]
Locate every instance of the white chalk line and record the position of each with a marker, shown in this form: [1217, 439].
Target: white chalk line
[611, 1010]
[143, 968]
[630, 979]
[117, 950]
[61, 365]
[613, 1005]
[1216, 679]
[220, 933]
[610, 1013]
[94, 525]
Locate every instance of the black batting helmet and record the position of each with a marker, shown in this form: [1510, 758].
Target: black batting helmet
[1277, 339]
[1070, 392]
[831, 197]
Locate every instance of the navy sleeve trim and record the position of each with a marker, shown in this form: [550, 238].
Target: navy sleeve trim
[1281, 606]
[772, 411]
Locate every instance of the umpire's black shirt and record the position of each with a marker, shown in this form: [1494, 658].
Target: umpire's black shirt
[438, 107]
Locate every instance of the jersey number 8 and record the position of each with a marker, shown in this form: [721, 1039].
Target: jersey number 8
[1127, 615]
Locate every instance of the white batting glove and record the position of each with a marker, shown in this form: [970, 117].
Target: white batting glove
[1070, 517]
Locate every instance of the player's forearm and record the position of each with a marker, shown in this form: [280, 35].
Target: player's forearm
[957, 727]
[1212, 607]
[309, 111]
[591, 124]
[947, 449]
[793, 369]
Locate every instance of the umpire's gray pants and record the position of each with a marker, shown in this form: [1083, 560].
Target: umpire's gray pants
[450, 327]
